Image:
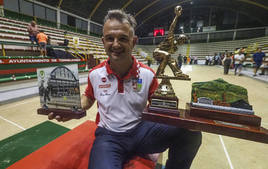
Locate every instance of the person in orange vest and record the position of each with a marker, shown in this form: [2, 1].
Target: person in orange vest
[42, 41]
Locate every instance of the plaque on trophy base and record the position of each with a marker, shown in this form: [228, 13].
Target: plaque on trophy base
[164, 98]
[59, 91]
[164, 102]
[223, 113]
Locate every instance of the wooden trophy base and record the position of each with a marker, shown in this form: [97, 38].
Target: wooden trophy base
[77, 114]
[212, 123]
[244, 119]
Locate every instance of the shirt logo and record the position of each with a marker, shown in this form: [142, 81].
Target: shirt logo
[105, 93]
[105, 86]
[137, 85]
[103, 79]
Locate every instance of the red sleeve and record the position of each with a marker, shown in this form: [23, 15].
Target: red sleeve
[89, 90]
[153, 87]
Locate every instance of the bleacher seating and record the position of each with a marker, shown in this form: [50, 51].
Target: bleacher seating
[15, 44]
[16, 31]
[201, 50]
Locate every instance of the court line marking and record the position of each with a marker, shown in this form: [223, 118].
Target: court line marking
[15, 124]
[226, 153]
[14, 105]
[17, 104]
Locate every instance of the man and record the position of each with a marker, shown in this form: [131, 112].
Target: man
[121, 85]
[42, 41]
[180, 61]
[238, 60]
[257, 59]
[184, 59]
[33, 31]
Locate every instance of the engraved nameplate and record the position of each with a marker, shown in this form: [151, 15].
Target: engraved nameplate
[164, 103]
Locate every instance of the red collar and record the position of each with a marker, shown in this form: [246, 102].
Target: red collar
[133, 72]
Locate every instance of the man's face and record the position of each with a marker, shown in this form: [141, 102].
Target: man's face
[118, 40]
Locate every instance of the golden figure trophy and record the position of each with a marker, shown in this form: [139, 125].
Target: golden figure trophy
[164, 97]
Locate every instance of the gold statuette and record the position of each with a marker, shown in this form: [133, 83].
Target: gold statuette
[164, 97]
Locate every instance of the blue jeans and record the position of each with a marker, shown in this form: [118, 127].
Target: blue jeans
[239, 67]
[111, 149]
[33, 39]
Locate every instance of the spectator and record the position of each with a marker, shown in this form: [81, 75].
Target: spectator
[207, 60]
[210, 60]
[227, 60]
[2, 8]
[180, 61]
[238, 61]
[263, 68]
[42, 40]
[195, 60]
[185, 60]
[49, 48]
[215, 59]
[257, 59]
[33, 31]
[191, 59]
[65, 41]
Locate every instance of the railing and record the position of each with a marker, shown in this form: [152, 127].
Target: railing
[3, 43]
[215, 36]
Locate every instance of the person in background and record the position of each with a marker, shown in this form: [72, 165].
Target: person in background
[122, 85]
[180, 60]
[32, 29]
[263, 68]
[184, 59]
[257, 59]
[238, 61]
[65, 41]
[42, 40]
[195, 60]
[2, 14]
[226, 62]
[191, 59]
[207, 60]
[210, 62]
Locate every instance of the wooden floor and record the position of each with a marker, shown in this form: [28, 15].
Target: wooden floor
[216, 152]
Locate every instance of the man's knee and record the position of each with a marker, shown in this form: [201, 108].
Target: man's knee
[190, 139]
[102, 156]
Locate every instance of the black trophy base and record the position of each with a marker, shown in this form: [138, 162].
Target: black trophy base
[162, 110]
[64, 113]
[166, 102]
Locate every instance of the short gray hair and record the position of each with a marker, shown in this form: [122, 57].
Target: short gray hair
[121, 16]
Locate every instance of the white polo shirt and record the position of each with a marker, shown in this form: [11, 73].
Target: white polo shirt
[121, 100]
[240, 57]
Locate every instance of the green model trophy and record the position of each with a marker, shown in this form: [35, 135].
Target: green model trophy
[164, 97]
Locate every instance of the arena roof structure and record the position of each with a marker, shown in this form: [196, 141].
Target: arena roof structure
[159, 13]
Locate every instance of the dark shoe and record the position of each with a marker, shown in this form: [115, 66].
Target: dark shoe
[254, 75]
[261, 73]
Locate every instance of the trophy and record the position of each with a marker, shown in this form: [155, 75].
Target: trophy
[59, 91]
[164, 98]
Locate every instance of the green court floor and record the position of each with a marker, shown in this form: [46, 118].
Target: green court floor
[22, 144]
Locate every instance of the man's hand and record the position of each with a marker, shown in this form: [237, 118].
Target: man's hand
[52, 116]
